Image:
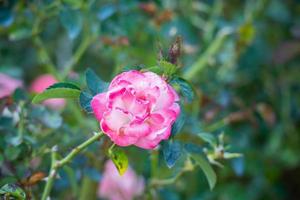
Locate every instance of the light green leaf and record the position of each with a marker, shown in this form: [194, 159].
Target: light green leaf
[120, 159]
[168, 68]
[207, 169]
[56, 93]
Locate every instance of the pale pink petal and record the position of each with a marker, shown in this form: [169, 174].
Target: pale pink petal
[115, 119]
[137, 129]
[152, 140]
[99, 105]
[115, 99]
[126, 78]
[176, 108]
[165, 99]
[174, 93]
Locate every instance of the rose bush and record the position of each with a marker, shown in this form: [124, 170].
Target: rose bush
[138, 109]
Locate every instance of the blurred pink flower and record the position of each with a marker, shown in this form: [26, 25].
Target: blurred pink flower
[113, 186]
[43, 82]
[8, 85]
[138, 109]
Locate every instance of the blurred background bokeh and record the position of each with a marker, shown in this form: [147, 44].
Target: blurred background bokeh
[242, 57]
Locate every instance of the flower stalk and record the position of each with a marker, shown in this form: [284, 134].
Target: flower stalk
[56, 164]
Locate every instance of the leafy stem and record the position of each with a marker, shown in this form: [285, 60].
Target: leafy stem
[56, 164]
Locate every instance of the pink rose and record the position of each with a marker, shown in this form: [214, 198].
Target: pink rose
[8, 85]
[43, 82]
[138, 109]
[113, 186]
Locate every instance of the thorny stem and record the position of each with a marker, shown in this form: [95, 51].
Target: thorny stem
[56, 164]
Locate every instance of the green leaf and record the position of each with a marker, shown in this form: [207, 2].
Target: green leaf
[94, 82]
[155, 69]
[12, 190]
[168, 68]
[63, 85]
[85, 101]
[58, 90]
[120, 159]
[207, 169]
[56, 93]
[185, 88]
[172, 151]
[209, 138]
[178, 124]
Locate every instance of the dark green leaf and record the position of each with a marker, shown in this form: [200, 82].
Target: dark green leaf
[85, 101]
[120, 159]
[185, 88]
[207, 169]
[13, 190]
[64, 85]
[94, 83]
[178, 124]
[172, 152]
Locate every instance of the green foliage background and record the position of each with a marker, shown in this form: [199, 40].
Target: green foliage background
[242, 58]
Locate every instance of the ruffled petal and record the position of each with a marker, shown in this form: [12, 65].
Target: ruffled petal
[137, 129]
[165, 99]
[118, 137]
[126, 78]
[153, 139]
[115, 119]
[98, 105]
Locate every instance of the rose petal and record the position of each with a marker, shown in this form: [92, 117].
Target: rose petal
[98, 105]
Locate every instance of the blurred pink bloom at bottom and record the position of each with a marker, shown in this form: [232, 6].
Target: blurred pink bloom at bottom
[8, 85]
[43, 82]
[113, 186]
